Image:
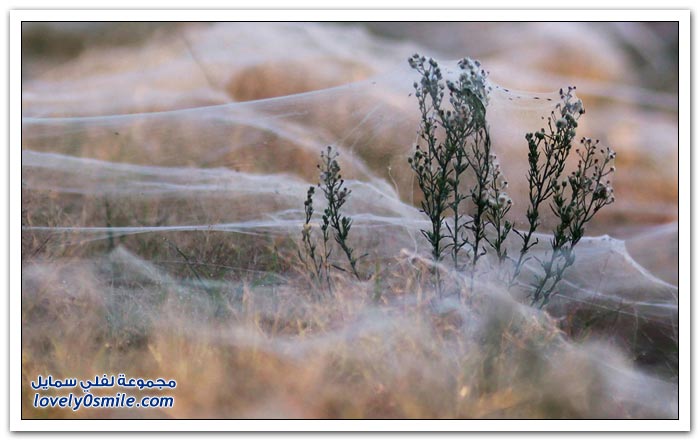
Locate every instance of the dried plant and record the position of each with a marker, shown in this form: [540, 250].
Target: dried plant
[543, 174]
[589, 190]
[314, 262]
[441, 163]
[333, 186]
[432, 163]
[499, 204]
[336, 194]
[457, 141]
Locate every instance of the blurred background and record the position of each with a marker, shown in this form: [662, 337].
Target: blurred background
[626, 74]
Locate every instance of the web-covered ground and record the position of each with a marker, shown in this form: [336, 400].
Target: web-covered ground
[162, 194]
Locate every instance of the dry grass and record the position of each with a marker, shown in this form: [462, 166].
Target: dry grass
[265, 348]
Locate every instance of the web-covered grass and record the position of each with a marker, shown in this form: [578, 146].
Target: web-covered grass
[162, 220]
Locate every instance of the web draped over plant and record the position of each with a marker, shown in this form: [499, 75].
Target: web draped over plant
[200, 201]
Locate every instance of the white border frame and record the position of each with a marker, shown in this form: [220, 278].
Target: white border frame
[15, 87]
